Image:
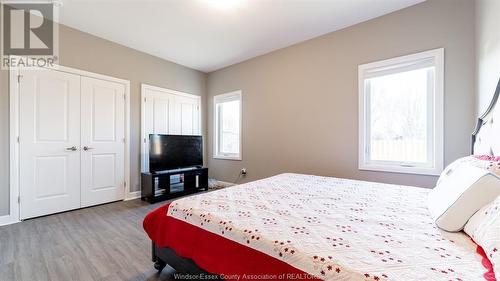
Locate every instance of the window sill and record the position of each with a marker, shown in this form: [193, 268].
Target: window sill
[222, 157]
[401, 169]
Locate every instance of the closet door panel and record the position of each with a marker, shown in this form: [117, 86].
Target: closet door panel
[103, 141]
[161, 116]
[190, 116]
[156, 118]
[187, 117]
[148, 128]
[175, 116]
[49, 141]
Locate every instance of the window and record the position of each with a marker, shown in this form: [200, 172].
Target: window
[227, 118]
[401, 114]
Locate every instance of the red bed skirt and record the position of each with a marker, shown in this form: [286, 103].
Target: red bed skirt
[214, 253]
[490, 274]
[219, 255]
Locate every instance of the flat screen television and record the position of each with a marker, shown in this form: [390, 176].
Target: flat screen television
[167, 152]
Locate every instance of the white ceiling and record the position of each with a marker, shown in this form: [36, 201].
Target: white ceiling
[210, 34]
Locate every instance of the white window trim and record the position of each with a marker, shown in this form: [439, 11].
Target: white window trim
[235, 95]
[438, 56]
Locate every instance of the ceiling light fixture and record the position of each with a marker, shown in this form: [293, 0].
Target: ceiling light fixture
[224, 4]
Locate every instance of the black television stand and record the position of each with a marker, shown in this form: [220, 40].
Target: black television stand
[168, 184]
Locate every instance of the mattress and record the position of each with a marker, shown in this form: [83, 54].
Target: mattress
[328, 228]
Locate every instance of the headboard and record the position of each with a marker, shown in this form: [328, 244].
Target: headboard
[486, 136]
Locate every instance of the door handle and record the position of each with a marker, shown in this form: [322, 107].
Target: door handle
[73, 148]
[86, 148]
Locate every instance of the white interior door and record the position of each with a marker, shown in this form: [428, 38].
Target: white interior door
[49, 141]
[189, 115]
[103, 141]
[167, 112]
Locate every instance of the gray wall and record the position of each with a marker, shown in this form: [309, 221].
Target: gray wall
[84, 51]
[487, 51]
[300, 104]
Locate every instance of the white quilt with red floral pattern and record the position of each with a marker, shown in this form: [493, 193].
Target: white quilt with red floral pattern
[336, 229]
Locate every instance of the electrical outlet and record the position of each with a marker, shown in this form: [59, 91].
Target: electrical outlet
[243, 171]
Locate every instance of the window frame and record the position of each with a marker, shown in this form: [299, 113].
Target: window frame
[218, 99]
[437, 132]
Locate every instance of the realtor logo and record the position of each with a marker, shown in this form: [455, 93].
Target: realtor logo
[29, 31]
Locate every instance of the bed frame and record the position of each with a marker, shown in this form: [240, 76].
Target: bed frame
[479, 145]
[482, 142]
[163, 256]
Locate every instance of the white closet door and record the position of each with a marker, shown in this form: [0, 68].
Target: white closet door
[165, 112]
[189, 116]
[49, 116]
[103, 141]
[160, 115]
[184, 116]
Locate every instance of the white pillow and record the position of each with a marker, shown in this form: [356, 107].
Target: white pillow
[484, 228]
[461, 191]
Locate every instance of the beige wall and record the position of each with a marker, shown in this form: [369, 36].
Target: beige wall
[487, 51]
[84, 51]
[300, 104]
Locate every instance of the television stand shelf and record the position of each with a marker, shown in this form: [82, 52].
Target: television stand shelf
[170, 184]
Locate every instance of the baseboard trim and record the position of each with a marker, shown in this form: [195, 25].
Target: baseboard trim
[133, 195]
[227, 183]
[7, 219]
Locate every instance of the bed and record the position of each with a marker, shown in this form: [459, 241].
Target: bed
[294, 226]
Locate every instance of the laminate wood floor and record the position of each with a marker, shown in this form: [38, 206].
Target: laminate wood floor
[105, 243]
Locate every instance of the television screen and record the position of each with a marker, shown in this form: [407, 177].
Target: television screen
[168, 152]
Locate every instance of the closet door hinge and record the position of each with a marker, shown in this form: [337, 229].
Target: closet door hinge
[19, 77]
[19, 199]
